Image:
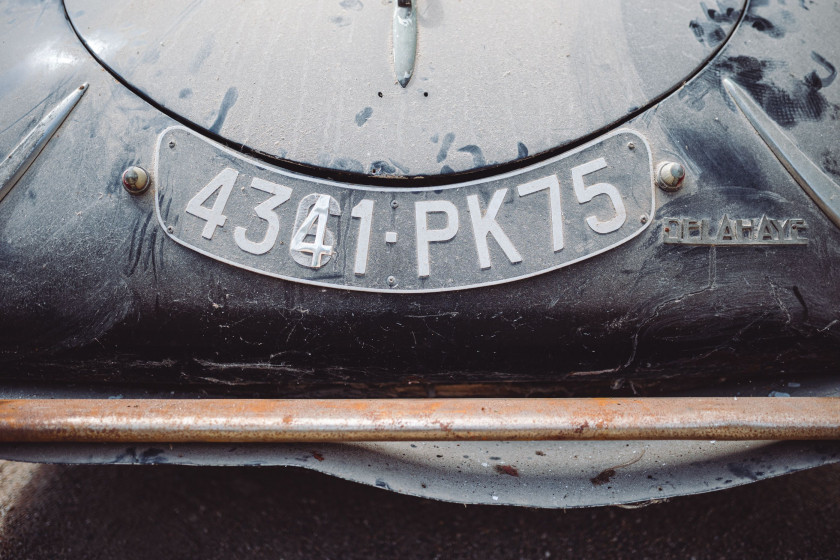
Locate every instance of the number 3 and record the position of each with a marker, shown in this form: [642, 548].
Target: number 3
[585, 194]
[265, 211]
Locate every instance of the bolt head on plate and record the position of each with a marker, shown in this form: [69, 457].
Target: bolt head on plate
[670, 176]
[135, 180]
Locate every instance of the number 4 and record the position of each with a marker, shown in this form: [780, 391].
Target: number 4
[213, 216]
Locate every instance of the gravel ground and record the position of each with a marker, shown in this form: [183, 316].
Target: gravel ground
[125, 512]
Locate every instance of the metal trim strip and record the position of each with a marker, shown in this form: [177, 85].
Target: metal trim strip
[342, 420]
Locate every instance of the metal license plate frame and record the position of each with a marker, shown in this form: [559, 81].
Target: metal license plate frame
[373, 232]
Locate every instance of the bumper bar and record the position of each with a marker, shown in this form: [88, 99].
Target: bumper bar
[303, 420]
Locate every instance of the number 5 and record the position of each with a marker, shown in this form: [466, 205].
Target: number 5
[585, 194]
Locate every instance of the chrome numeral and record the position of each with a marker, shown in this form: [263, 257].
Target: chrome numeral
[363, 211]
[585, 194]
[555, 210]
[313, 214]
[265, 211]
[223, 183]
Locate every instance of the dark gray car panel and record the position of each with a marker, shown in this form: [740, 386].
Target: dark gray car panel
[92, 289]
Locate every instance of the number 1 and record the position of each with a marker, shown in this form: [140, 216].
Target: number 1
[363, 211]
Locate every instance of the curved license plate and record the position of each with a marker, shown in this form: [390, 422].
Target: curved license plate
[512, 226]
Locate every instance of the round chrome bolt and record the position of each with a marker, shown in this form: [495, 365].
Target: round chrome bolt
[670, 175]
[395, 204]
[392, 280]
[135, 180]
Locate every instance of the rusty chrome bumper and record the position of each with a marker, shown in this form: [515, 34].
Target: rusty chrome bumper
[343, 420]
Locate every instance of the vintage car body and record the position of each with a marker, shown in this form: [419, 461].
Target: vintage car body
[343, 204]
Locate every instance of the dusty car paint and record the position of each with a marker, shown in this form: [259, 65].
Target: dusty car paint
[92, 290]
